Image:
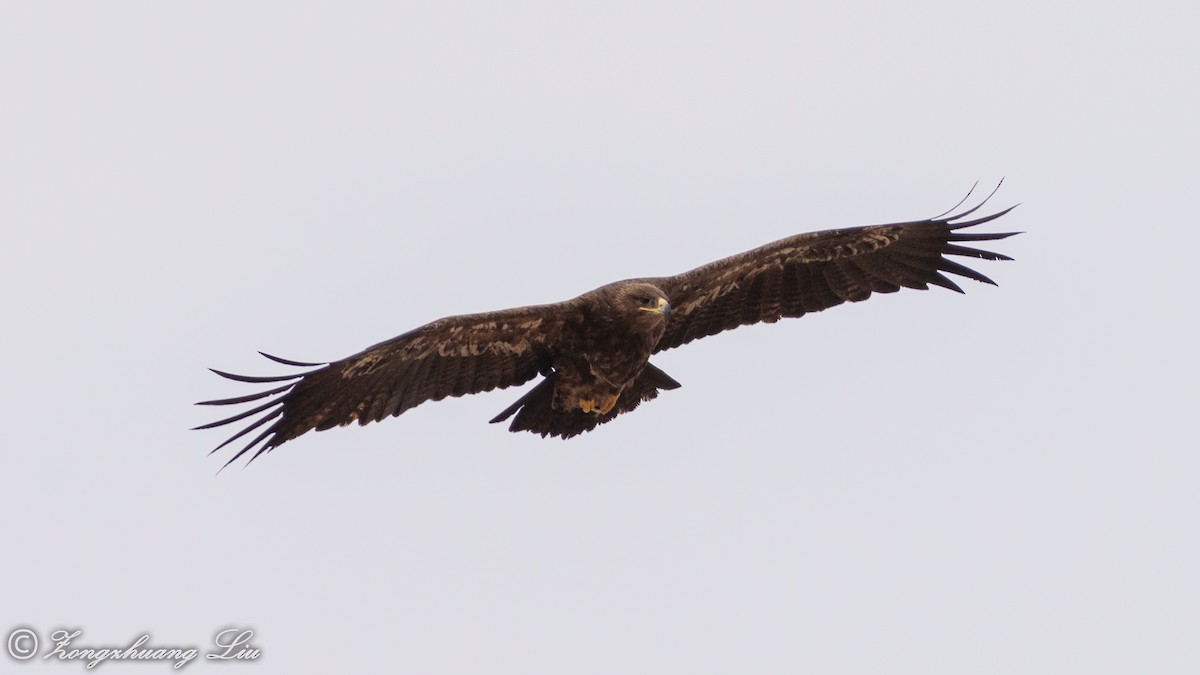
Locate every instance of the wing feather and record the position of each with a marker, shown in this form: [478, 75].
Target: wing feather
[809, 301]
[790, 303]
[376, 410]
[819, 270]
[257, 423]
[942, 280]
[871, 282]
[947, 265]
[770, 301]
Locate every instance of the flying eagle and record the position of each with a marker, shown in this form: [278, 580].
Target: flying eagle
[593, 351]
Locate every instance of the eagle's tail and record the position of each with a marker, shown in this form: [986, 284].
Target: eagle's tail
[535, 413]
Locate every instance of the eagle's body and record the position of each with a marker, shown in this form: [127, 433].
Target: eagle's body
[609, 345]
[594, 350]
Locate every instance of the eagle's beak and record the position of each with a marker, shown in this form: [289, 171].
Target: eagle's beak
[663, 308]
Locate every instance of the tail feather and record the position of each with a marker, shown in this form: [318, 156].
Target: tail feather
[535, 413]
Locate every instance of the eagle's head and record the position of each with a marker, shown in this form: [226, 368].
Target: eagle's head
[641, 303]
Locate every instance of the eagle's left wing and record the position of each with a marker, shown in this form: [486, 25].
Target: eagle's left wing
[817, 270]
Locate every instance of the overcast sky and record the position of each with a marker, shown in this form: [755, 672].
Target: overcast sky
[1002, 482]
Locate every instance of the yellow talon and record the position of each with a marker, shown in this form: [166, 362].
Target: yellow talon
[608, 402]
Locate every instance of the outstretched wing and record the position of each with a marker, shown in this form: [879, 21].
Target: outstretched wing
[449, 357]
[813, 271]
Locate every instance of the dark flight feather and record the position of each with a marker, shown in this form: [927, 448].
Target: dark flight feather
[475, 353]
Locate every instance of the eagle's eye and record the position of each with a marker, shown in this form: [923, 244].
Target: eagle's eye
[644, 300]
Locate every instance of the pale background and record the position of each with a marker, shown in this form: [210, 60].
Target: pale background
[1003, 482]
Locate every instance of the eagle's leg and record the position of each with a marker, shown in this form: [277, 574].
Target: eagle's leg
[600, 405]
[607, 401]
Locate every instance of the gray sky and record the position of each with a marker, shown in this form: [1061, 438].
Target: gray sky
[1002, 482]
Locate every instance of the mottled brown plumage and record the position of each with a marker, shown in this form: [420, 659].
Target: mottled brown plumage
[593, 350]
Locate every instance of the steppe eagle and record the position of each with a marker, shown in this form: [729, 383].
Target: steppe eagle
[593, 350]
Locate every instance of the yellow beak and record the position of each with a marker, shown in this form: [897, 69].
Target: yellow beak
[663, 307]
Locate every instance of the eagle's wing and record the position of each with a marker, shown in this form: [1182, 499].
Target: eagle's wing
[449, 357]
[813, 271]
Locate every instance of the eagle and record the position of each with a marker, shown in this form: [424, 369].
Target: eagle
[593, 351]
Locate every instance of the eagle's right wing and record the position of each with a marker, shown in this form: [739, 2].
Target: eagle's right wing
[450, 357]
